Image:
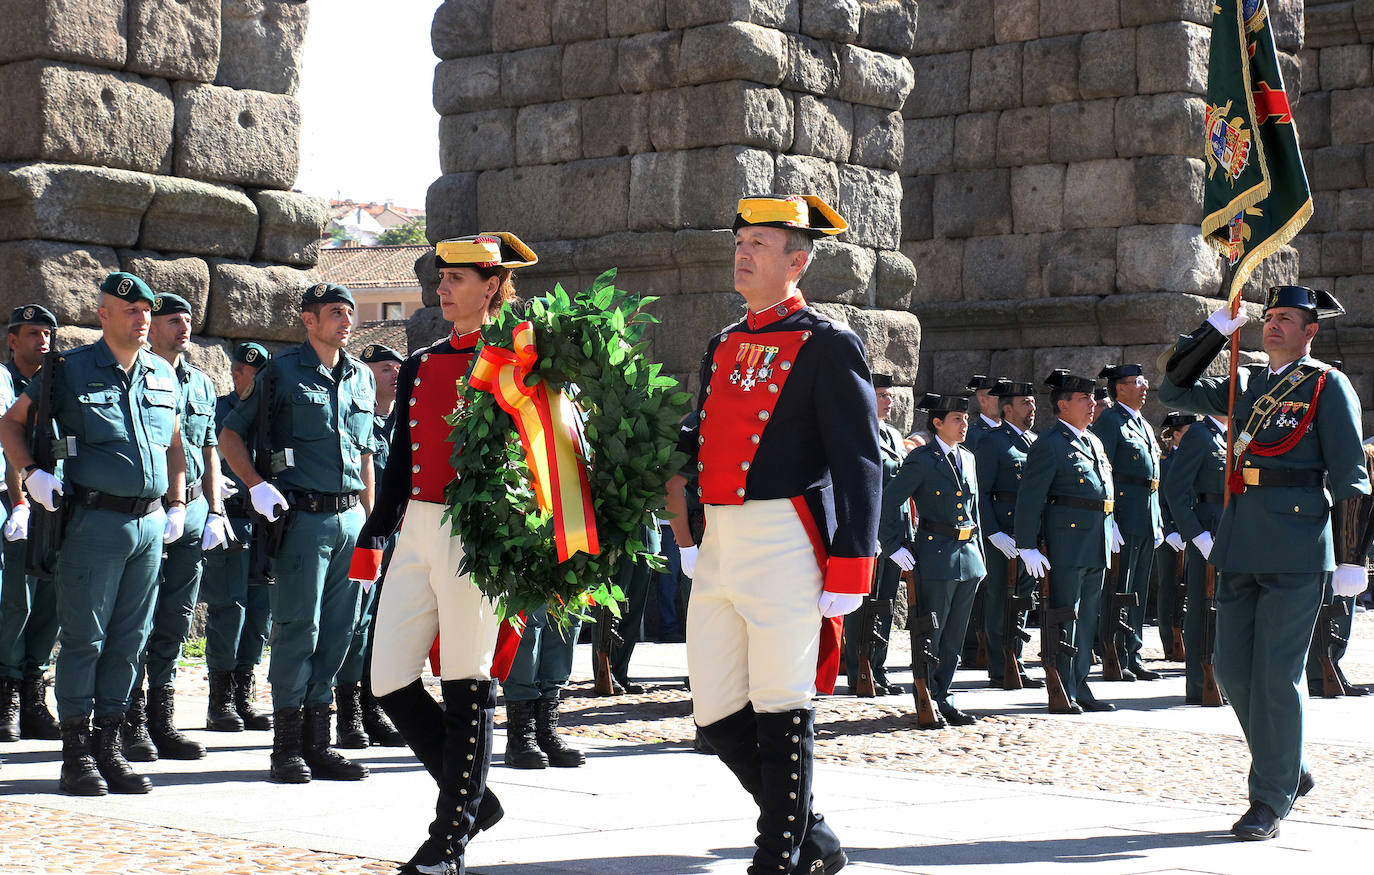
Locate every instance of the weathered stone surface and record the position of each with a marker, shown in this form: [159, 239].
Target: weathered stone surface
[461, 28]
[176, 39]
[1168, 189]
[666, 190]
[1308, 61]
[593, 197]
[648, 61]
[812, 66]
[241, 292]
[836, 20]
[1023, 136]
[451, 206]
[187, 215]
[1072, 16]
[1154, 319]
[1052, 321]
[975, 140]
[1312, 116]
[930, 146]
[625, 249]
[477, 140]
[878, 138]
[212, 357]
[1286, 23]
[1346, 67]
[1173, 57]
[894, 281]
[589, 68]
[871, 201]
[735, 50]
[531, 76]
[973, 203]
[1171, 258]
[626, 17]
[874, 78]
[995, 78]
[1159, 124]
[956, 327]
[547, 133]
[1018, 20]
[237, 136]
[183, 275]
[1082, 130]
[941, 85]
[289, 227]
[427, 272]
[59, 112]
[705, 259]
[918, 213]
[1079, 262]
[1342, 252]
[1037, 198]
[1137, 12]
[71, 202]
[891, 338]
[615, 125]
[721, 113]
[575, 20]
[1001, 268]
[1108, 68]
[521, 24]
[1326, 209]
[521, 199]
[467, 84]
[1050, 70]
[1015, 363]
[425, 326]
[1100, 194]
[805, 173]
[65, 277]
[1356, 208]
[1330, 25]
[824, 127]
[680, 351]
[1079, 361]
[780, 14]
[840, 272]
[939, 265]
[888, 25]
[81, 31]
[1352, 116]
[261, 44]
[950, 25]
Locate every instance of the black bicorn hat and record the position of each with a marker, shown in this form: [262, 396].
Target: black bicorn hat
[933, 403]
[379, 352]
[1120, 372]
[32, 314]
[882, 381]
[1060, 379]
[1173, 419]
[1319, 301]
[982, 381]
[1005, 388]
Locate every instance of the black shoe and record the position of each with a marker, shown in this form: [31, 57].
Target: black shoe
[1031, 683]
[955, 717]
[109, 758]
[1350, 689]
[288, 766]
[80, 777]
[1071, 708]
[625, 685]
[35, 720]
[325, 762]
[1305, 783]
[138, 745]
[348, 699]
[522, 749]
[220, 715]
[820, 850]
[171, 744]
[9, 709]
[559, 754]
[1127, 676]
[379, 729]
[1144, 674]
[997, 683]
[1258, 824]
[245, 685]
[1095, 705]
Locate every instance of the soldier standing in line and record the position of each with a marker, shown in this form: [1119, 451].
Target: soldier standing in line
[1137, 526]
[320, 419]
[149, 729]
[28, 606]
[238, 611]
[361, 721]
[1000, 458]
[987, 407]
[120, 404]
[1298, 512]
[942, 478]
[787, 441]
[1165, 573]
[1066, 494]
[1102, 401]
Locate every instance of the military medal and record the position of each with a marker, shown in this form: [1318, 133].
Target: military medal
[739, 357]
[750, 381]
[766, 371]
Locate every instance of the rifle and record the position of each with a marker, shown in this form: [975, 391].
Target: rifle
[1211, 693]
[923, 660]
[1114, 621]
[1013, 631]
[267, 534]
[1328, 628]
[979, 623]
[1053, 644]
[606, 637]
[1179, 650]
[869, 634]
[47, 528]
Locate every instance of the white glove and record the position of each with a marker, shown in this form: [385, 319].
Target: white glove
[1203, 542]
[227, 489]
[366, 584]
[1175, 540]
[837, 604]
[687, 556]
[1117, 540]
[904, 559]
[17, 526]
[1222, 321]
[218, 532]
[1004, 542]
[1349, 580]
[1037, 563]
[176, 524]
[42, 486]
[267, 500]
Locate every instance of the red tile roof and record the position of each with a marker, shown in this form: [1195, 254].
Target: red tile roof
[371, 267]
[391, 333]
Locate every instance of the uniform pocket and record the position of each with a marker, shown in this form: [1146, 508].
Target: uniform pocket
[102, 415]
[199, 417]
[311, 419]
[159, 411]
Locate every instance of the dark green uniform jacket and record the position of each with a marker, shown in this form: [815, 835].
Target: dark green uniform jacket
[1060, 464]
[943, 496]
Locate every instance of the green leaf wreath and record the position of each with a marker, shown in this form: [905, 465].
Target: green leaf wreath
[592, 346]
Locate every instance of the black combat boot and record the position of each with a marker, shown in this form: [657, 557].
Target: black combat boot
[522, 750]
[288, 766]
[137, 744]
[171, 744]
[546, 735]
[245, 686]
[80, 777]
[375, 723]
[35, 720]
[220, 715]
[325, 762]
[109, 757]
[347, 697]
[9, 709]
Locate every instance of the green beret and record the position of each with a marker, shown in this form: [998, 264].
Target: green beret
[32, 314]
[168, 304]
[254, 355]
[126, 287]
[377, 352]
[327, 293]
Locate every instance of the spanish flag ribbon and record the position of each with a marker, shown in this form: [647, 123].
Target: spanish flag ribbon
[551, 433]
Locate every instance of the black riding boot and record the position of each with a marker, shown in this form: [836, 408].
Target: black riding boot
[245, 685]
[220, 715]
[171, 744]
[109, 757]
[9, 709]
[80, 777]
[35, 720]
[785, 748]
[324, 761]
[288, 766]
[138, 745]
[350, 717]
[375, 723]
[559, 754]
[522, 750]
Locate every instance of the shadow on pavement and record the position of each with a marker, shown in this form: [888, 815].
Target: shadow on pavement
[1090, 849]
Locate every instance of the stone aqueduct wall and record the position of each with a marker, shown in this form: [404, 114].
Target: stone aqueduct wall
[159, 137]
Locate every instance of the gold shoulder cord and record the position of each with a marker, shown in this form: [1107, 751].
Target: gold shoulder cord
[1266, 404]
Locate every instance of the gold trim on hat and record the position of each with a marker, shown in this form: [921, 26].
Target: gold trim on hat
[484, 250]
[793, 211]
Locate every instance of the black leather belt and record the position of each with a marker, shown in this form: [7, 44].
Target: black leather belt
[1150, 482]
[1210, 498]
[958, 533]
[194, 491]
[1277, 477]
[117, 503]
[322, 502]
[1003, 496]
[236, 507]
[1083, 503]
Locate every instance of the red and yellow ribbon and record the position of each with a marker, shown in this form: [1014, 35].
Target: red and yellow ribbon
[551, 434]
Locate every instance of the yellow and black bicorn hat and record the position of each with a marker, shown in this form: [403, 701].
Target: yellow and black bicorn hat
[795, 212]
[488, 249]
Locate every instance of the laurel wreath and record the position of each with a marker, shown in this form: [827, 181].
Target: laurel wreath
[591, 346]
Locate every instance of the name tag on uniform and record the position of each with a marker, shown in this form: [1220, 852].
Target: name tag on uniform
[157, 381]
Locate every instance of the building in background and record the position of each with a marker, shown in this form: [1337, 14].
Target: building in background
[382, 278]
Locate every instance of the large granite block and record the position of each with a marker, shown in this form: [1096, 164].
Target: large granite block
[939, 264]
[951, 25]
[290, 225]
[995, 78]
[461, 28]
[231, 135]
[1152, 319]
[888, 25]
[589, 68]
[1017, 20]
[72, 202]
[1346, 67]
[531, 75]
[1136, 12]
[734, 50]
[1053, 321]
[813, 66]
[1049, 72]
[183, 275]
[956, 327]
[523, 200]
[467, 84]
[175, 39]
[1079, 262]
[1023, 136]
[1173, 57]
[547, 133]
[705, 259]
[648, 61]
[1168, 189]
[626, 17]
[941, 85]
[1356, 209]
[1108, 64]
[575, 20]
[1312, 116]
[1159, 124]
[261, 44]
[1100, 194]
[779, 14]
[81, 31]
[593, 197]
[617, 124]
[477, 140]
[871, 201]
[1170, 258]
[1083, 130]
[1352, 117]
[240, 292]
[835, 20]
[521, 24]
[1002, 268]
[930, 145]
[975, 140]
[874, 78]
[666, 191]
[1074, 16]
[65, 277]
[824, 127]
[1037, 198]
[680, 351]
[451, 206]
[1342, 252]
[187, 215]
[805, 173]
[841, 272]
[721, 113]
[895, 281]
[1333, 168]
[973, 203]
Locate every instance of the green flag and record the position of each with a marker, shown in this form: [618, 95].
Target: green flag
[1256, 198]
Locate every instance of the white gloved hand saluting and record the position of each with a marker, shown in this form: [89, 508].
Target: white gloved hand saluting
[687, 557]
[837, 604]
[1175, 540]
[268, 501]
[1203, 542]
[1349, 580]
[1003, 542]
[17, 526]
[904, 559]
[1222, 320]
[176, 523]
[1037, 563]
[42, 486]
[218, 532]
[1117, 540]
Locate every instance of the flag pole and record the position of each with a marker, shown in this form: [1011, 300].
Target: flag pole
[1236, 303]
